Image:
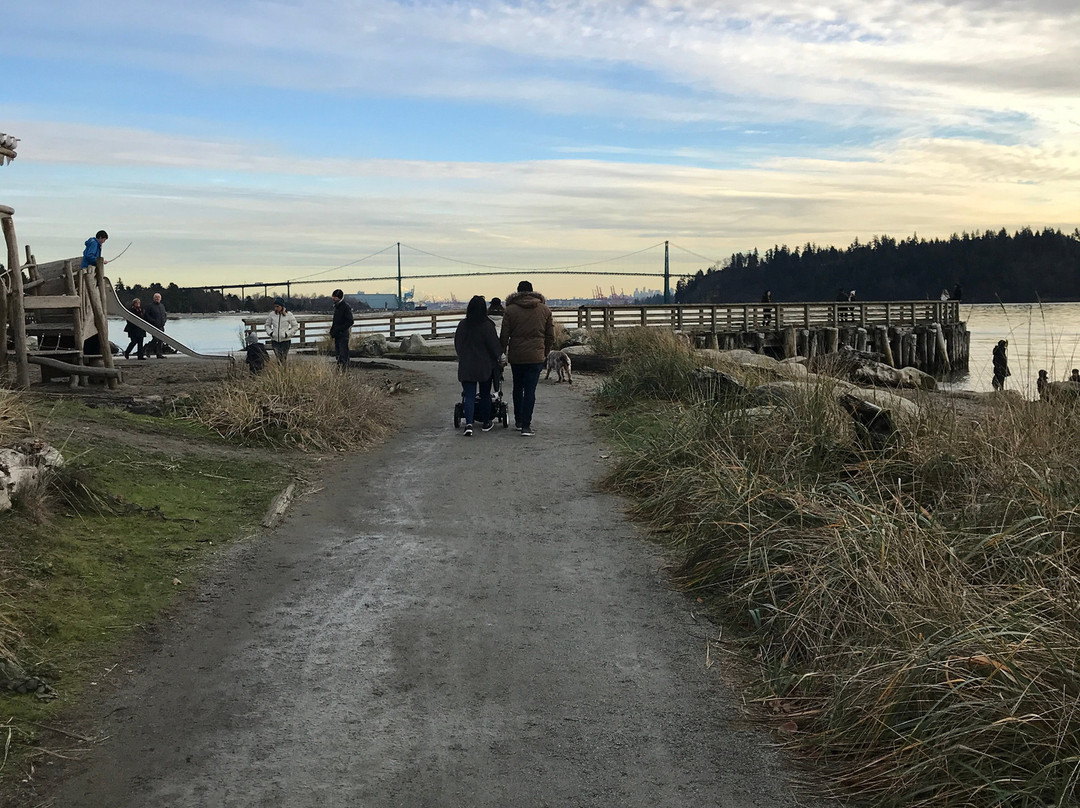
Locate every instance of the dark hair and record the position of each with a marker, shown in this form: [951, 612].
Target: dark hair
[476, 311]
[101, 234]
[338, 293]
[525, 286]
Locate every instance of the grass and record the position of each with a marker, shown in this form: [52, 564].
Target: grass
[307, 405]
[913, 610]
[107, 543]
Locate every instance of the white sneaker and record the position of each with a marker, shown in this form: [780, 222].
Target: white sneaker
[468, 431]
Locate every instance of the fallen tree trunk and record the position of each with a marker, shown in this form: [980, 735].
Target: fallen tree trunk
[67, 367]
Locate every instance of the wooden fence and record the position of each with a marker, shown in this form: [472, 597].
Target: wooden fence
[697, 318]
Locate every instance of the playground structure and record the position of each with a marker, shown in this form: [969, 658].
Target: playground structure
[55, 315]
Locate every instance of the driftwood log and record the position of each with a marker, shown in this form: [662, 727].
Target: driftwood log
[67, 367]
[872, 422]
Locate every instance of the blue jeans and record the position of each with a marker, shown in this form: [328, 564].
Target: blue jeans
[526, 377]
[468, 401]
[341, 349]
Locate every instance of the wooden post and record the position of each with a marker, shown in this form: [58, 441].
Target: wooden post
[101, 323]
[886, 346]
[832, 340]
[942, 348]
[16, 312]
[76, 317]
[3, 328]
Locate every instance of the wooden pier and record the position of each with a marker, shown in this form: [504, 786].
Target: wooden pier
[926, 334]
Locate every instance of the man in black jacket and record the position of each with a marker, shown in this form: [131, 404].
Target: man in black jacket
[339, 329]
[156, 315]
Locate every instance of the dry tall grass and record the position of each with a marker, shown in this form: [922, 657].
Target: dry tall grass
[14, 417]
[915, 611]
[309, 405]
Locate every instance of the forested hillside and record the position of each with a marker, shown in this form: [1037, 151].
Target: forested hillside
[1023, 267]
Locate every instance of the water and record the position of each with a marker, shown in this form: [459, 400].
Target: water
[218, 333]
[1041, 336]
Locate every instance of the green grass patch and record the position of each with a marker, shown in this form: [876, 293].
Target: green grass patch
[111, 541]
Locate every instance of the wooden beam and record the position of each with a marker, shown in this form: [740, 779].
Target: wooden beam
[101, 323]
[52, 302]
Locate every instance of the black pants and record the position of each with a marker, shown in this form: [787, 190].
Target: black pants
[341, 350]
[281, 349]
[135, 343]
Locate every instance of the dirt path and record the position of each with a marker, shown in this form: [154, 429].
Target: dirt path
[449, 622]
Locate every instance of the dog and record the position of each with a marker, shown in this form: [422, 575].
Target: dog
[559, 361]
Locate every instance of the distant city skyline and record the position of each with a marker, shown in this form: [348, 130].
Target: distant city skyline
[252, 140]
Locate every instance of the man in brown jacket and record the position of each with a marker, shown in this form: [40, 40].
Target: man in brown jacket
[528, 334]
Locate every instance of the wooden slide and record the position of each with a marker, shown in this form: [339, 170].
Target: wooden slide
[118, 309]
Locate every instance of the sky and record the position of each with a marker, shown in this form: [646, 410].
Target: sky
[235, 141]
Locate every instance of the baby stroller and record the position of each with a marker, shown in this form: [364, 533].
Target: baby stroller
[499, 411]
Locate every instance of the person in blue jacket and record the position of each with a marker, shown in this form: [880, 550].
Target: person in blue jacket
[93, 249]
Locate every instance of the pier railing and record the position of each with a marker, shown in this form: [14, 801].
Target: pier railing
[711, 318]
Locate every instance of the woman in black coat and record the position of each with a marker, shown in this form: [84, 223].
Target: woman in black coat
[478, 352]
[135, 334]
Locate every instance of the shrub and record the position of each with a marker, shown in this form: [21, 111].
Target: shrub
[913, 610]
[308, 405]
[652, 364]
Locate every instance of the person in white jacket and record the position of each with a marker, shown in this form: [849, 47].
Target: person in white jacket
[281, 327]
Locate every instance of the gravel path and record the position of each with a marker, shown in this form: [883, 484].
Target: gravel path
[450, 621]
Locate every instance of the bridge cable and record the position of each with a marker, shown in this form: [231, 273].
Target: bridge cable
[531, 269]
[333, 269]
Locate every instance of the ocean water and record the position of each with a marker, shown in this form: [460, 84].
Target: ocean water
[1041, 336]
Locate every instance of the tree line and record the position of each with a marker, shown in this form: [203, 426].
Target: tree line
[1024, 267]
[205, 301]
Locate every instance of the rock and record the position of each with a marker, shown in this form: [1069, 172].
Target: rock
[917, 379]
[903, 409]
[414, 344]
[746, 358]
[368, 345]
[578, 350]
[782, 392]
[575, 337]
[715, 384]
[792, 370]
[24, 465]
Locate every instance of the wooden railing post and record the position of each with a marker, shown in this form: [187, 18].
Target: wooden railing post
[16, 312]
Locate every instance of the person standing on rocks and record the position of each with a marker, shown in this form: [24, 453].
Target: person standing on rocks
[281, 327]
[156, 316]
[478, 350]
[528, 335]
[1001, 364]
[340, 327]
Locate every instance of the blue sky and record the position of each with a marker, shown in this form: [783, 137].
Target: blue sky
[243, 140]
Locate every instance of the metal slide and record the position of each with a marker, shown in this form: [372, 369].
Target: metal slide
[118, 309]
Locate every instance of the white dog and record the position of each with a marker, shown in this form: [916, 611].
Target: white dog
[559, 361]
